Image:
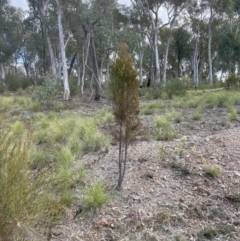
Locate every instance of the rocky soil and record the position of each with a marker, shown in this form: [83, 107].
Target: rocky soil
[166, 193]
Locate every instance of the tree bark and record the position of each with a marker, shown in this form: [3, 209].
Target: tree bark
[52, 57]
[2, 72]
[71, 64]
[140, 62]
[95, 68]
[85, 55]
[210, 71]
[66, 95]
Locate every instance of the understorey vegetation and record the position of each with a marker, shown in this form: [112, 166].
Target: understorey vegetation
[43, 146]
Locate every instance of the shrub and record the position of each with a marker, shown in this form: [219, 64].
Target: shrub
[13, 82]
[18, 194]
[49, 92]
[232, 80]
[73, 85]
[174, 87]
[123, 86]
[3, 87]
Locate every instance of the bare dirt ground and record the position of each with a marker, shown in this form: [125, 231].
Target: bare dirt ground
[166, 194]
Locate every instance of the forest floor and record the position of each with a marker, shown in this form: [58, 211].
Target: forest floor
[166, 193]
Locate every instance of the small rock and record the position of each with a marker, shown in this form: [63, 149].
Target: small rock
[237, 174]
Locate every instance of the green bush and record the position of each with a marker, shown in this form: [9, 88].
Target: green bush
[15, 82]
[49, 92]
[18, 194]
[232, 80]
[174, 87]
[123, 86]
[3, 87]
[73, 85]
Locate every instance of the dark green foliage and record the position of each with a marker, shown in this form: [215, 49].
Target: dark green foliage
[123, 87]
[3, 87]
[49, 92]
[174, 87]
[208, 233]
[73, 85]
[14, 82]
[232, 81]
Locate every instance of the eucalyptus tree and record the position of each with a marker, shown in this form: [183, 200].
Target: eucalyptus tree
[38, 10]
[10, 33]
[181, 50]
[173, 10]
[94, 12]
[151, 9]
[228, 49]
[66, 95]
[139, 25]
[197, 17]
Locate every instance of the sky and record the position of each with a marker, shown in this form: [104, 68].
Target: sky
[23, 3]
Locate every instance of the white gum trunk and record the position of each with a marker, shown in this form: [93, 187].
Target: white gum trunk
[66, 95]
[210, 71]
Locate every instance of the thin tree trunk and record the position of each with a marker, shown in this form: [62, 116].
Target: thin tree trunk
[66, 95]
[2, 72]
[95, 68]
[71, 64]
[166, 51]
[165, 61]
[120, 179]
[196, 60]
[210, 71]
[78, 71]
[140, 62]
[157, 70]
[85, 56]
[150, 71]
[52, 57]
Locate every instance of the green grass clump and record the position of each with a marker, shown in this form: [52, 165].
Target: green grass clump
[81, 173]
[64, 178]
[35, 106]
[174, 116]
[64, 156]
[6, 102]
[104, 117]
[197, 115]
[151, 108]
[212, 170]
[95, 196]
[17, 128]
[147, 111]
[22, 192]
[208, 233]
[57, 129]
[39, 157]
[233, 115]
[164, 129]
[23, 101]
